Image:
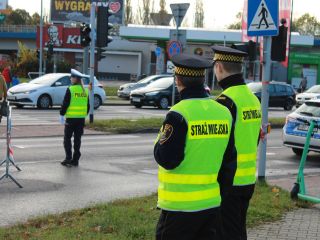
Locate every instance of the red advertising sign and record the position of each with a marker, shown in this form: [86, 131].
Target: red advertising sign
[59, 36]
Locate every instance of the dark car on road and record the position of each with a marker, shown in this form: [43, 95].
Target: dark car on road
[280, 94]
[125, 89]
[157, 94]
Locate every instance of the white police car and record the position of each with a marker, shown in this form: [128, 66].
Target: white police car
[49, 90]
[295, 130]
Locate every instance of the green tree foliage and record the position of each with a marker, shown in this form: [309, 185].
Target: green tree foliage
[306, 25]
[26, 62]
[18, 17]
[238, 23]
[128, 13]
[145, 8]
[163, 6]
[35, 19]
[199, 15]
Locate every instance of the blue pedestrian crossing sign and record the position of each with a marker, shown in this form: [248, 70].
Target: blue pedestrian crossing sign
[263, 17]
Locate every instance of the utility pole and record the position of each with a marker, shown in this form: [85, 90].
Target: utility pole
[92, 47]
[41, 39]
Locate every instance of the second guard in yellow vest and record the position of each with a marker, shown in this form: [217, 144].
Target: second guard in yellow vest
[246, 113]
[191, 147]
[75, 108]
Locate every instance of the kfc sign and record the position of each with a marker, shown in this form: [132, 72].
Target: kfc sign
[60, 37]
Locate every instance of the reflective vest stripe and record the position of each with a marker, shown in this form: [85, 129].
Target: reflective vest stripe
[189, 196]
[246, 172]
[187, 178]
[246, 157]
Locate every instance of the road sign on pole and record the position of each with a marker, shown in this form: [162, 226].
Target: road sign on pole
[263, 17]
[179, 10]
[173, 48]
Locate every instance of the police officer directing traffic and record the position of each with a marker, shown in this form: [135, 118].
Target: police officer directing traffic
[75, 108]
[246, 113]
[190, 149]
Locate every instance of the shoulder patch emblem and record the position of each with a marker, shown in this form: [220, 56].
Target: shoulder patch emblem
[166, 133]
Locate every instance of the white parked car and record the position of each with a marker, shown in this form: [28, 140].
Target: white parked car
[49, 90]
[311, 94]
[295, 130]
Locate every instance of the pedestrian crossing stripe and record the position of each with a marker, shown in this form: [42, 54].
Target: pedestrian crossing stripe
[262, 19]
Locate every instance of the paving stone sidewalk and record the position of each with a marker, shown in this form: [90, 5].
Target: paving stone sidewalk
[301, 224]
[297, 225]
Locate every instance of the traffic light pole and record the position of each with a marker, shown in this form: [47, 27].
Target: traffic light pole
[264, 106]
[85, 60]
[92, 46]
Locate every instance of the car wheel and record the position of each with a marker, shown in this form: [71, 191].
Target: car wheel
[19, 106]
[137, 105]
[163, 102]
[44, 101]
[97, 101]
[297, 151]
[288, 105]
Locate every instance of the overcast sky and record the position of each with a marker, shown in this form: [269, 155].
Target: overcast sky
[218, 13]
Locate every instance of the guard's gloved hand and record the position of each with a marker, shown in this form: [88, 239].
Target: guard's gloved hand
[62, 119]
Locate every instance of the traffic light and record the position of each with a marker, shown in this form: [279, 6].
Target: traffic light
[279, 44]
[38, 54]
[85, 35]
[250, 48]
[100, 55]
[103, 27]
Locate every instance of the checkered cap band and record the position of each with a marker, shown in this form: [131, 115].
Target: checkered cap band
[189, 72]
[227, 58]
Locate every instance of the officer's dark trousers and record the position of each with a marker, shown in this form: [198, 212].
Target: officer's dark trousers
[203, 225]
[233, 212]
[73, 126]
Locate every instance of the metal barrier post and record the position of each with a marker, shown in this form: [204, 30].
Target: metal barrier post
[9, 156]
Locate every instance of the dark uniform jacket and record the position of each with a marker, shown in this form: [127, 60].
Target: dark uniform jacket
[234, 80]
[65, 105]
[170, 154]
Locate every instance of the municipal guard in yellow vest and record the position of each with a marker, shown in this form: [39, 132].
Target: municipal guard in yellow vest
[246, 113]
[75, 108]
[190, 150]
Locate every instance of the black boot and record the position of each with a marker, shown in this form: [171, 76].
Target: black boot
[66, 162]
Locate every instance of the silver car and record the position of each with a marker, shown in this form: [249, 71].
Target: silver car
[311, 94]
[295, 130]
[125, 89]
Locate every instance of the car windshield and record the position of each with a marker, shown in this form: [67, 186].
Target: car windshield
[309, 109]
[162, 83]
[45, 79]
[146, 80]
[255, 87]
[314, 89]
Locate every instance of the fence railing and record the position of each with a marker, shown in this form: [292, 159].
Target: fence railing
[18, 28]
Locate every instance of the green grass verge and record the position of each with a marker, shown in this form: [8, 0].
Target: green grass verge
[126, 125]
[146, 124]
[133, 218]
[111, 91]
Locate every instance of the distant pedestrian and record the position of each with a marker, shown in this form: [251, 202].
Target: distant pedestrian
[75, 108]
[3, 94]
[303, 84]
[6, 73]
[15, 81]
